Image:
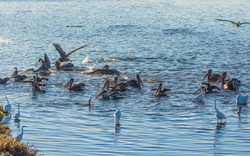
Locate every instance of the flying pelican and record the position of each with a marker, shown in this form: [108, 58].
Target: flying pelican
[238, 111]
[159, 91]
[201, 95]
[8, 106]
[17, 115]
[20, 136]
[210, 77]
[76, 87]
[117, 114]
[63, 56]
[4, 80]
[236, 24]
[6, 119]
[218, 114]
[241, 98]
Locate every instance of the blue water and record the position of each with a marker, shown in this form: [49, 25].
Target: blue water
[173, 42]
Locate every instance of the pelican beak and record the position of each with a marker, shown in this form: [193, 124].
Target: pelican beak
[68, 83]
[221, 78]
[115, 81]
[158, 89]
[102, 92]
[26, 71]
[138, 79]
[208, 73]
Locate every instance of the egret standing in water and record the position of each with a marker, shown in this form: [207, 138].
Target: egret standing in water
[218, 114]
[6, 119]
[20, 136]
[8, 106]
[17, 115]
[117, 114]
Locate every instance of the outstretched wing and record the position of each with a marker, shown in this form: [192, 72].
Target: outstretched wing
[60, 50]
[75, 50]
[245, 23]
[225, 20]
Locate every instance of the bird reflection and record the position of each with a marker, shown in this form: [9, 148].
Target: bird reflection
[117, 128]
[219, 128]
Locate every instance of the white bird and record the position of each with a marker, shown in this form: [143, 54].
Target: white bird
[241, 98]
[236, 24]
[201, 95]
[8, 106]
[218, 114]
[6, 119]
[17, 115]
[117, 114]
[20, 136]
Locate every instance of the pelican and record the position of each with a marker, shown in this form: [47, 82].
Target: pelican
[20, 136]
[17, 115]
[201, 95]
[105, 71]
[59, 66]
[241, 98]
[238, 111]
[135, 83]
[76, 87]
[8, 106]
[160, 91]
[17, 78]
[218, 114]
[117, 114]
[42, 69]
[63, 56]
[6, 119]
[35, 85]
[230, 84]
[4, 80]
[210, 77]
[236, 24]
[209, 88]
[109, 93]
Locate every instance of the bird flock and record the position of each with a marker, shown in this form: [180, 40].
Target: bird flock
[117, 90]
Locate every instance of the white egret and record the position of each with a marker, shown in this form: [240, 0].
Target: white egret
[241, 98]
[117, 114]
[6, 119]
[20, 136]
[218, 114]
[8, 106]
[17, 115]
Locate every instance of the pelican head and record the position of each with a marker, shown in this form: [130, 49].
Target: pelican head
[209, 72]
[222, 77]
[69, 83]
[104, 89]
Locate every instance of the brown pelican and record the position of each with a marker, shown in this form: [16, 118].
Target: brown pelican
[35, 85]
[105, 71]
[160, 91]
[42, 69]
[63, 56]
[230, 84]
[211, 78]
[17, 78]
[76, 87]
[209, 88]
[135, 83]
[236, 24]
[59, 65]
[109, 93]
[4, 80]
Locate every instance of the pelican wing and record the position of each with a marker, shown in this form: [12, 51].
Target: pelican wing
[245, 23]
[60, 50]
[225, 20]
[76, 50]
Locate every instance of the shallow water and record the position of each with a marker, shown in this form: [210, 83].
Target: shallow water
[173, 42]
